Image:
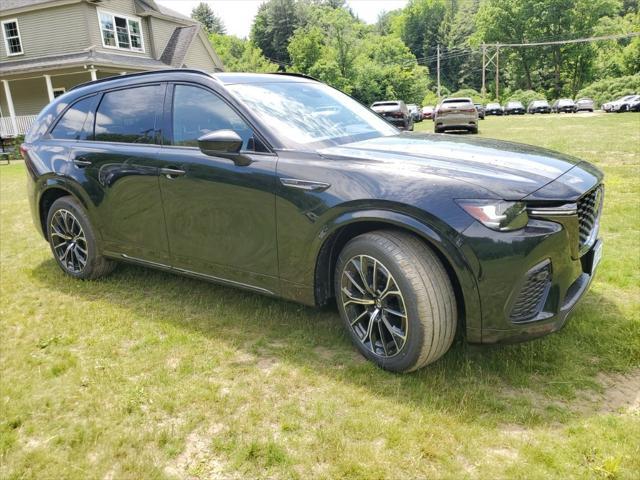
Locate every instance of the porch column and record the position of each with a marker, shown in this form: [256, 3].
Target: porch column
[94, 77]
[12, 111]
[47, 78]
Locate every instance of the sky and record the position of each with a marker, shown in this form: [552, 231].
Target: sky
[237, 15]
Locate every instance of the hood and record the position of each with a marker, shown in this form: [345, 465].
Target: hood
[509, 170]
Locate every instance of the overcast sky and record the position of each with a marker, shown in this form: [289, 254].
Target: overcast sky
[237, 15]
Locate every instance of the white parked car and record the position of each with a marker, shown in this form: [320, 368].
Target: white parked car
[456, 114]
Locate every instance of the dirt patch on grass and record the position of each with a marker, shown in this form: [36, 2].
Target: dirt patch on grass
[197, 460]
[620, 394]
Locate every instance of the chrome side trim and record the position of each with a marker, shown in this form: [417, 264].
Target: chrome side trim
[147, 262]
[197, 274]
[304, 184]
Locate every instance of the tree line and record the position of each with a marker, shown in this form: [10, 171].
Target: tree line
[396, 57]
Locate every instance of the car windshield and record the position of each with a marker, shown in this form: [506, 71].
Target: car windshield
[493, 105]
[540, 103]
[308, 115]
[565, 101]
[514, 104]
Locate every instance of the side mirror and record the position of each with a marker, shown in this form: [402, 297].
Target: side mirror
[220, 141]
[223, 143]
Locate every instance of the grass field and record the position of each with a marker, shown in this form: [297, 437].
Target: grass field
[148, 375]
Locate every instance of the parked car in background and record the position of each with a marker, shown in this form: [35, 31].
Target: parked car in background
[427, 112]
[563, 105]
[416, 114]
[456, 114]
[585, 105]
[480, 109]
[623, 104]
[396, 112]
[493, 109]
[634, 105]
[416, 238]
[539, 106]
[514, 108]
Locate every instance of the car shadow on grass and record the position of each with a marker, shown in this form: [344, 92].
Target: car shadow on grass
[530, 383]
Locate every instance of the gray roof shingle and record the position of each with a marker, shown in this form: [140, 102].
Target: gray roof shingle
[178, 45]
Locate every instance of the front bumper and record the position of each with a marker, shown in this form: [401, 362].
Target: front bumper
[506, 263]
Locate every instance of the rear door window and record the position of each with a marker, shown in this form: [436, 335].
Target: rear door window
[72, 123]
[130, 115]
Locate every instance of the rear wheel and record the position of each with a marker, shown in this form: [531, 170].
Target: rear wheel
[473, 130]
[73, 242]
[395, 299]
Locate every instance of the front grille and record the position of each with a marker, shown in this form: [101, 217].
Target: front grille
[533, 294]
[589, 208]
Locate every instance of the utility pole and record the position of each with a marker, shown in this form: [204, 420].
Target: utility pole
[483, 90]
[497, 72]
[438, 62]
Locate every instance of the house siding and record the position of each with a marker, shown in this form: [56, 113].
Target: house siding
[29, 96]
[161, 31]
[53, 31]
[198, 56]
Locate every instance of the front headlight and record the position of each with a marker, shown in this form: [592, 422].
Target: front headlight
[497, 214]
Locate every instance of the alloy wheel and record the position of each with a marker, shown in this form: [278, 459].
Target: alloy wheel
[68, 241]
[374, 306]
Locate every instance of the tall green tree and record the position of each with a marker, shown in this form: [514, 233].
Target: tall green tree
[209, 20]
[240, 55]
[274, 25]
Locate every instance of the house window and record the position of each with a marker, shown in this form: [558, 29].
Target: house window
[11, 33]
[119, 31]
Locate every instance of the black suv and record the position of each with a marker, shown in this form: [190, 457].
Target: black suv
[284, 186]
[395, 112]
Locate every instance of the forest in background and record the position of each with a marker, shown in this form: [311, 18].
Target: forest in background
[396, 58]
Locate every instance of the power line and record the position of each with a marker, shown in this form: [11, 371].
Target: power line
[575, 40]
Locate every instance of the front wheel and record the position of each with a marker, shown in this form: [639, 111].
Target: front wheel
[73, 242]
[395, 299]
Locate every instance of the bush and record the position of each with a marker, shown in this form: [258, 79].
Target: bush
[468, 92]
[14, 152]
[611, 88]
[526, 96]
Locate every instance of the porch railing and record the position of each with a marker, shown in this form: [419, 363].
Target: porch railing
[23, 122]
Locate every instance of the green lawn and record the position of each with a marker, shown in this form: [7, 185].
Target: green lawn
[149, 375]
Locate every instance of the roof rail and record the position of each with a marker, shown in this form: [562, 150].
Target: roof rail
[295, 74]
[140, 74]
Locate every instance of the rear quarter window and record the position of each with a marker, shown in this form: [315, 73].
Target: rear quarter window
[72, 123]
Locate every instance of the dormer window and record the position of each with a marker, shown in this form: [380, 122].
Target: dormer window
[121, 31]
[12, 41]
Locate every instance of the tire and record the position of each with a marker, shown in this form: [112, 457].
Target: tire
[420, 304]
[473, 131]
[68, 221]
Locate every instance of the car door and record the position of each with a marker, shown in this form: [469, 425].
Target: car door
[118, 160]
[220, 215]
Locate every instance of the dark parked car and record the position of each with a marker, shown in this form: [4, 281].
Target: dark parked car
[396, 112]
[585, 105]
[539, 106]
[622, 104]
[514, 108]
[281, 185]
[563, 105]
[493, 109]
[480, 110]
[634, 105]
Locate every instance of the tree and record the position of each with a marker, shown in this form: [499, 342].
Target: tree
[274, 25]
[209, 20]
[239, 55]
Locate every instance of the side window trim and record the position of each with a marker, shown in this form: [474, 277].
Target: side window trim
[169, 117]
[157, 121]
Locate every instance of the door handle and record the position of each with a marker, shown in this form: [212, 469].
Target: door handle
[172, 172]
[304, 184]
[81, 162]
